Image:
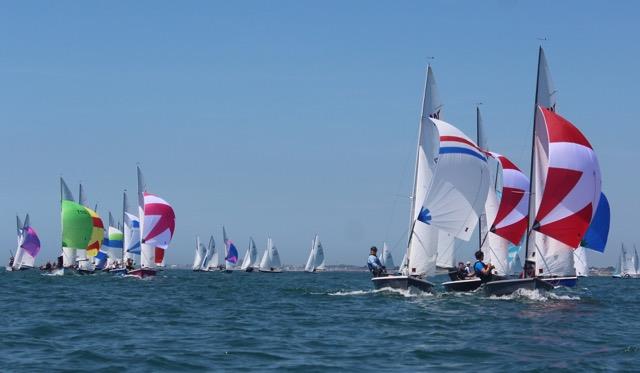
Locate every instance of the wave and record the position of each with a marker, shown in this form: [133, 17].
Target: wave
[534, 295]
[403, 292]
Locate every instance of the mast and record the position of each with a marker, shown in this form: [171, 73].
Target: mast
[531, 168]
[478, 141]
[124, 220]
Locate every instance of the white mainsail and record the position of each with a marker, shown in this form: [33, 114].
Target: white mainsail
[199, 255]
[147, 252]
[316, 256]
[423, 239]
[250, 256]
[214, 261]
[131, 232]
[580, 261]
[271, 258]
[386, 258]
[17, 258]
[208, 254]
[309, 267]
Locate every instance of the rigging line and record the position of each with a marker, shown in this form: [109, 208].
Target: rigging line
[397, 194]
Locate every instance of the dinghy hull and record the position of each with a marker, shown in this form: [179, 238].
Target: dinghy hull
[462, 285]
[403, 283]
[143, 272]
[118, 271]
[569, 281]
[626, 275]
[269, 271]
[506, 287]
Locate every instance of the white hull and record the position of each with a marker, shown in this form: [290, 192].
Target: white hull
[271, 271]
[626, 275]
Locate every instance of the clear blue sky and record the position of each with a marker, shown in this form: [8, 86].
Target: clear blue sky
[294, 117]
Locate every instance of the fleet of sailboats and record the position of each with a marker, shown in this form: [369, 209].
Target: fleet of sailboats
[556, 213]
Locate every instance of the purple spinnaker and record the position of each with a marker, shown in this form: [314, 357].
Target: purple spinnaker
[31, 242]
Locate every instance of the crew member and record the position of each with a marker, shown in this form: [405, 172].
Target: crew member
[376, 268]
[483, 271]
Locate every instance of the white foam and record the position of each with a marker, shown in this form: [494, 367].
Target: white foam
[403, 292]
[534, 295]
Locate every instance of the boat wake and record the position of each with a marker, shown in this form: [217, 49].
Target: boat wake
[404, 293]
[53, 273]
[535, 295]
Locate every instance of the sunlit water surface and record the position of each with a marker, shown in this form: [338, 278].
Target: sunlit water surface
[183, 320]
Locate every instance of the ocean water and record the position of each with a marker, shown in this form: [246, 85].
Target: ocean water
[186, 321]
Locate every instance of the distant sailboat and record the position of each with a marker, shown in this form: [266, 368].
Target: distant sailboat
[28, 246]
[564, 194]
[450, 189]
[157, 226]
[199, 256]
[628, 264]
[113, 244]
[85, 257]
[231, 253]
[77, 228]
[250, 257]
[130, 239]
[212, 260]
[386, 259]
[208, 252]
[270, 262]
[315, 262]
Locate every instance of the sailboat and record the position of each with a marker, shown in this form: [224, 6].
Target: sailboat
[157, 226]
[386, 259]
[130, 239]
[564, 194]
[250, 257]
[628, 264]
[113, 244]
[504, 211]
[315, 263]
[451, 182]
[270, 262]
[77, 228]
[28, 247]
[231, 253]
[211, 260]
[595, 238]
[85, 257]
[199, 257]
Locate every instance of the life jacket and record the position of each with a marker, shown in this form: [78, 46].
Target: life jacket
[483, 277]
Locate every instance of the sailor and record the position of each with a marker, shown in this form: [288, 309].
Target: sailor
[462, 271]
[11, 262]
[467, 268]
[376, 268]
[483, 271]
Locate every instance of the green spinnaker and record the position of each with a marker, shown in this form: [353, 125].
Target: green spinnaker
[77, 225]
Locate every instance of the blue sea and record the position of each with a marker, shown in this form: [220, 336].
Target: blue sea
[187, 321]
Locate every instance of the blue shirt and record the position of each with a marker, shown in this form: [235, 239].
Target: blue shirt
[478, 267]
[373, 262]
